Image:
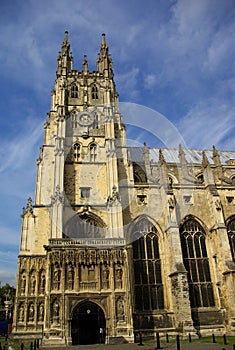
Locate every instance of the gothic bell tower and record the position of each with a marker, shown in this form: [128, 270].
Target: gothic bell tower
[72, 262]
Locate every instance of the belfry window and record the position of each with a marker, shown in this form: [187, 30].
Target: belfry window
[94, 92]
[196, 262]
[147, 268]
[231, 236]
[76, 151]
[74, 91]
[93, 152]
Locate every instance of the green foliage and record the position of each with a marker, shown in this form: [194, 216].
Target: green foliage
[7, 293]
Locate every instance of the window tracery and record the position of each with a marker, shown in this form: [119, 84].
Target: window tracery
[76, 151]
[231, 236]
[196, 262]
[147, 268]
[93, 152]
[74, 91]
[94, 92]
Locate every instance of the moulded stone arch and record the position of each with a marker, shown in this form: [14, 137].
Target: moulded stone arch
[197, 263]
[85, 225]
[196, 219]
[132, 234]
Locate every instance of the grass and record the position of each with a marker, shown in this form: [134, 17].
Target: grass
[15, 344]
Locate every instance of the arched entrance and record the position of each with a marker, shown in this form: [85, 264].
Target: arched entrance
[88, 324]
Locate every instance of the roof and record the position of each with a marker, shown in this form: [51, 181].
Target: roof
[171, 155]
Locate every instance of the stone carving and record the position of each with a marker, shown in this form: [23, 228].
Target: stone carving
[21, 313]
[56, 277]
[118, 276]
[29, 208]
[218, 204]
[41, 312]
[31, 312]
[70, 277]
[120, 309]
[115, 197]
[42, 283]
[23, 285]
[56, 313]
[105, 276]
[58, 196]
[32, 284]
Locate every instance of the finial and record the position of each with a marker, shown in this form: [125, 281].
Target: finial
[85, 64]
[103, 39]
[205, 161]
[161, 157]
[182, 157]
[66, 36]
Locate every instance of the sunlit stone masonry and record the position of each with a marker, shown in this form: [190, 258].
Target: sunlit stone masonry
[121, 239]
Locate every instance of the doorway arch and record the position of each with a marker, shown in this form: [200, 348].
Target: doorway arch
[88, 324]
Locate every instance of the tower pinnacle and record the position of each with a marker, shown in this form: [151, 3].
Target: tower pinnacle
[65, 58]
[104, 61]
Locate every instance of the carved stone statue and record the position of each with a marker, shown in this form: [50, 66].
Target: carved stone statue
[70, 277]
[41, 312]
[23, 285]
[31, 312]
[21, 313]
[56, 278]
[118, 276]
[105, 277]
[120, 309]
[33, 284]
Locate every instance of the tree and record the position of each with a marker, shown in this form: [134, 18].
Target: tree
[7, 294]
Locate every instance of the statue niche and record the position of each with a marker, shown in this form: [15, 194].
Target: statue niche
[56, 276]
[105, 276]
[41, 282]
[70, 277]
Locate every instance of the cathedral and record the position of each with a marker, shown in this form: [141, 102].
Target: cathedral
[120, 240]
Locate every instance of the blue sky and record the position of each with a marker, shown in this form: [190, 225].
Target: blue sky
[175, 57]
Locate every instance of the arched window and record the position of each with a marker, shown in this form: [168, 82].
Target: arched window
[196, 262]
[231, 236]
[93, 152]
[94, 92]
[147, 268]
[139, 173]
[84, 226]
[76, 151]
[74, 91]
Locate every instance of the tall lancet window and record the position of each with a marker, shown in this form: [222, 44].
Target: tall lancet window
[76, 151]
[196, 262]
[147, 268]
[94, 92]
[231, 236]
[93, 152]
[74, 91]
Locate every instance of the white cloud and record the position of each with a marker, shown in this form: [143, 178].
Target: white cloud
[150, 81]
[129, 82]
[209, 123]
[15, 153]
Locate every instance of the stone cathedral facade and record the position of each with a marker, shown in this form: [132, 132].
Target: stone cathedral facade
[121, 239]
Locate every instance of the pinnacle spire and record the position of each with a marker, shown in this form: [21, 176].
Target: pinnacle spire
[104, 61]
[65, 44]
[205, 161]
[65, 59]
[182, 157]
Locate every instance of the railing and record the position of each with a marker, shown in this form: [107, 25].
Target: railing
[88, 242]
[87, 285]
